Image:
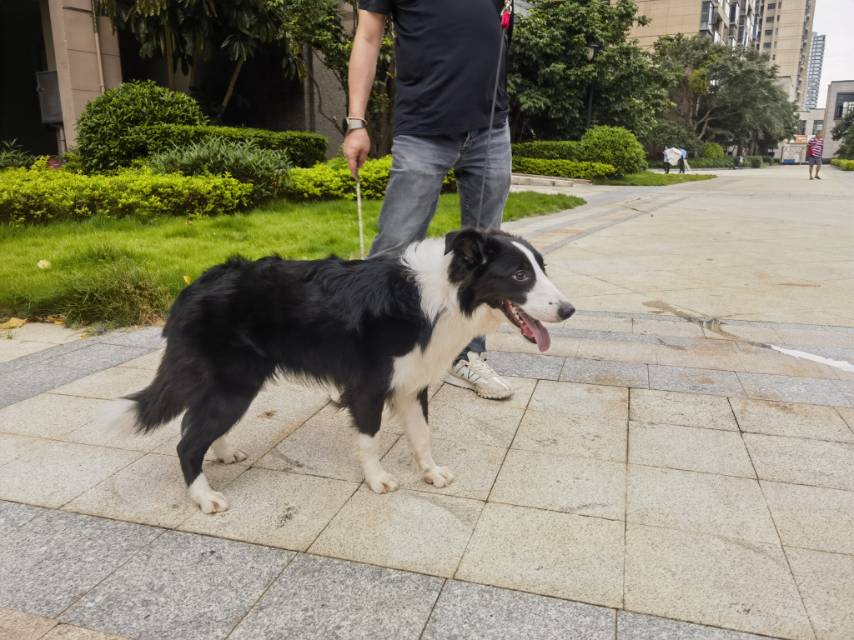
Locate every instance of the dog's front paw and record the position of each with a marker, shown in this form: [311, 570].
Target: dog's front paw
[382, 483]
[439, 477]
[212, 502]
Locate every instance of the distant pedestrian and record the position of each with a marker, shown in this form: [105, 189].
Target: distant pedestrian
[671, 158]
[665, 161]
[815, 148]
[683, 160]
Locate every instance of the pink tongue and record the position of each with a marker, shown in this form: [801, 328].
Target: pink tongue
[540, 334]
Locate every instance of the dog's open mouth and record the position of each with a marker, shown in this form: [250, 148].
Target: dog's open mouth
[531, 329]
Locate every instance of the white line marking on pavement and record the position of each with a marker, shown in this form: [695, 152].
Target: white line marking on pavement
[803, 355]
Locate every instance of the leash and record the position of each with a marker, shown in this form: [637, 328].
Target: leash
[506, 14]
[361, 219]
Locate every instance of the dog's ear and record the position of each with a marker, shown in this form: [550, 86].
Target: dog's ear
[469, 244]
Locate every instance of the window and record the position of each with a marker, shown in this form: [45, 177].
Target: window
[767, 45]
[802, 127]
[771, 6]
[769, 32]
[817, 126]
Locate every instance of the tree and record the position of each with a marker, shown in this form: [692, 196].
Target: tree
[189, 31]
[549, 74]
[725, 94]
[844, 130]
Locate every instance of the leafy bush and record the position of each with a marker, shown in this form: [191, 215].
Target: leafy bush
[712, 151]
[41, 195]
[563, 168]
[550, 149]
[332, 180]
[12, 155]
[108, 134]
[841, 163]
[265, 169]
[615, 146]
[304, 148]
[727, 162]
[754, 162]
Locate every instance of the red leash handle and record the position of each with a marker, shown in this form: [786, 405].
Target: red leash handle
[506, 13]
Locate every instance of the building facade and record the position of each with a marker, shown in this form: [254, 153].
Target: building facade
[727, 21]
[840, 100]
[784, 29]
[816, 61]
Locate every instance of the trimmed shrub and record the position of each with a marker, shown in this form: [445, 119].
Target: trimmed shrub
[13, 156]
[304, 148]
[727, 162]
[712, 151]
[265, 169]
[40, 195]
[754, 162]
[841, 163]
[615, 146]
[550, 149]
[332, 180]
[563, 168]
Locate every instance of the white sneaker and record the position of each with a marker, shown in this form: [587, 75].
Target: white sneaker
[475, 374]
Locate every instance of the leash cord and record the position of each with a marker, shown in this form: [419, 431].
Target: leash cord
[361, 220]
[491, 123]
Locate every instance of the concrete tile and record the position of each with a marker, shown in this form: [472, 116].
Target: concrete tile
[689, 448]
[97, 356]
[109, 384]
[149, 361]
[474, 465]
[459, 415]
[323, 446]
[712, 354]
[524, 365]
[554, 554]
[14, 515]
[49, 416]
[792, 389]
[618, 374]
[17, 625]
[826, 582]
[275, 508]
[70, 632]
[404, 530]
[559, 483]
[617, 351]
[512, 343]
[41, 357]
[812, 517]
[12, 349]
[54, 559]
[150, 491]
[712, 580]
[13, 446]
[847, 414]
[799, 461]
[146, 337]
[47, 332]
[593, 401]
[666, 328]
[319, 598]
[102, 432]
[475, 611]
[53, 473]
[688, 501]
[23, 383]
[180, 586]
[636, 626]
[795, 420]
[686, 409]
[722, 383]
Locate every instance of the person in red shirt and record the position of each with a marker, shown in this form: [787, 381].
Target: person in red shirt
[815, 148]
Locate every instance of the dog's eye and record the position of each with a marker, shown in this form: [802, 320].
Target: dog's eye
[521, 275]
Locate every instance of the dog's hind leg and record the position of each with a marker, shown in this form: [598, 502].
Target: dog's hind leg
[206, 422]
[413, 412]
[367, 413]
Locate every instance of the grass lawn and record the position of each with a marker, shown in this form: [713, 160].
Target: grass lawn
[127, 271]
[650, 179]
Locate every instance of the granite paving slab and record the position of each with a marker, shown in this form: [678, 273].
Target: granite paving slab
[786, 419]
[801, 461]
[826, 582]
[636, 626]
[619, 374]
[711, 381]
[525, 365]
[793, 389]
[687, 409]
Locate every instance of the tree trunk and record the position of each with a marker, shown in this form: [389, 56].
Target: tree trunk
[231, 84]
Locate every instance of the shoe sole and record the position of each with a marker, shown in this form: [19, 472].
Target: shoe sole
[465, 384]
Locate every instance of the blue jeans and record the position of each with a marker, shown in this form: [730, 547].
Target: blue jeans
[420, 163]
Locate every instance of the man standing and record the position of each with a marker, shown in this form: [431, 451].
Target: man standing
[446, 53]
[815, 148]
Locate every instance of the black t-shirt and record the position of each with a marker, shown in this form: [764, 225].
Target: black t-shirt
[446, 54]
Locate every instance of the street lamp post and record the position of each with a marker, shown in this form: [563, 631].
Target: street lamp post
[591, 51]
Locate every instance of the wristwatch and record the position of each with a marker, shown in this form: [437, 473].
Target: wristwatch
[351, 124]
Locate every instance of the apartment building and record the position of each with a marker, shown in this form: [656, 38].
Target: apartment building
[816, 61]
[728, 21]
[784, 29]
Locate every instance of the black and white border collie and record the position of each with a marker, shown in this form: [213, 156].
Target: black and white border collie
[380, 330]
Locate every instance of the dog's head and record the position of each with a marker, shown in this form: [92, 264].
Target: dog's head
[506, 273]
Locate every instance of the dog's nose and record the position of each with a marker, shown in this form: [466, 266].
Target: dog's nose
[565, 310]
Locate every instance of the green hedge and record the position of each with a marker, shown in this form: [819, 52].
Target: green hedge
[563, 168]
[712, 151]
[44, 195]
[726, 162]
[332, 180]
[845, 165]
[549, 149]
[304, 148]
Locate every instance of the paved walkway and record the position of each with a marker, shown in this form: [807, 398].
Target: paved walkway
[662, 473]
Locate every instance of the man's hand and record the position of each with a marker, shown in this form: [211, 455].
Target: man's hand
[357, 145]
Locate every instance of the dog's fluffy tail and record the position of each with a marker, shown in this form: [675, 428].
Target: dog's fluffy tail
[152, 407]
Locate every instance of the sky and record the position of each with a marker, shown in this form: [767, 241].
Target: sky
[835, 19]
